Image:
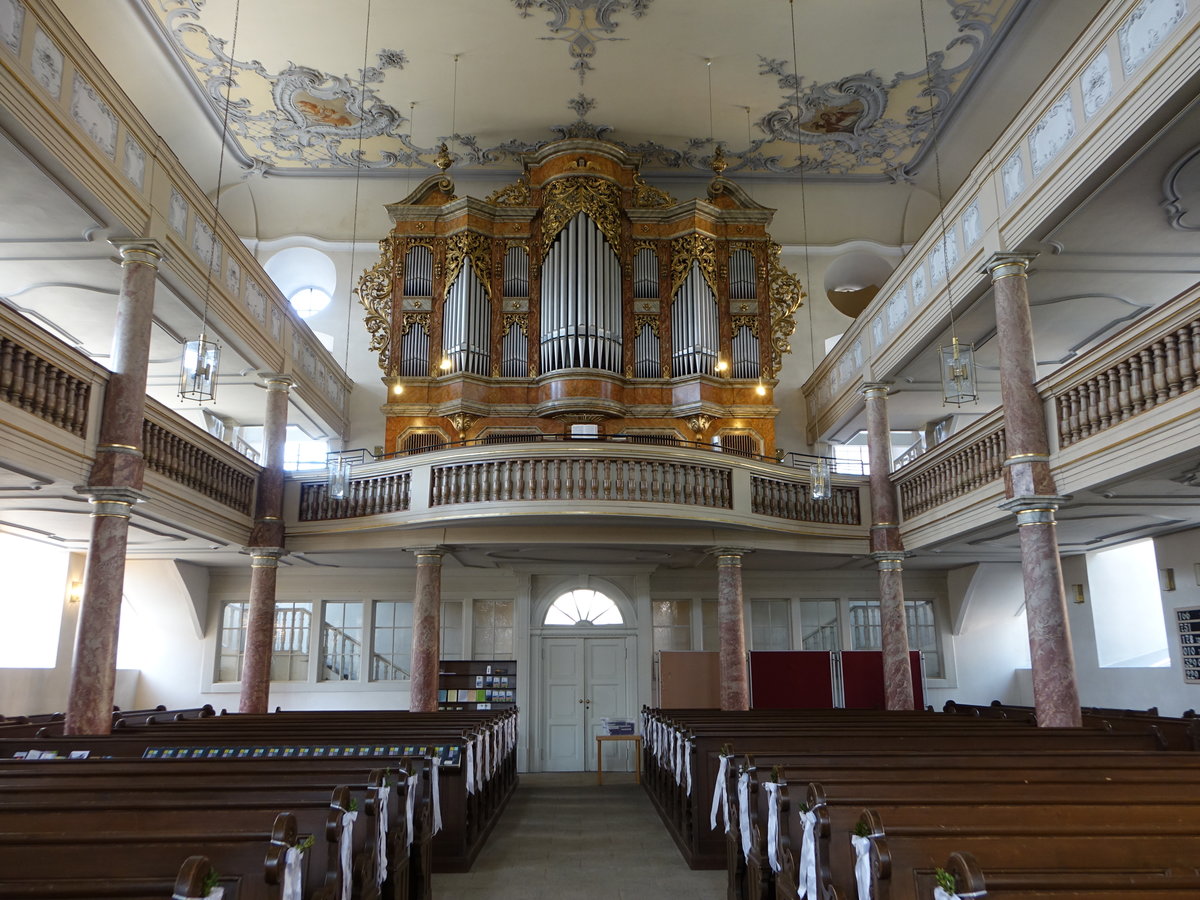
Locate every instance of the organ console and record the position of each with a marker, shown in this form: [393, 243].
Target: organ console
[580, 294]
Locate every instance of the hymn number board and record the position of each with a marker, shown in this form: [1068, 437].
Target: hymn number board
[1189, 642]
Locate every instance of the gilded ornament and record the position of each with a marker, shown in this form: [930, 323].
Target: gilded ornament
[473, 246]
[698, 248]
[699, 423]
[719, 164]
[786, 296]
[516, 194]
[642, 321]
[443, 160]
[647, 196]
[565, 198]
[462, 422]
[740, 322]
[521, 320]
[409, 319]
[375, 295]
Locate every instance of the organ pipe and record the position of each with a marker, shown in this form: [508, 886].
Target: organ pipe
[465, 324]
[743, 280]
[516, 272]
[645, 274]
[694, 329]
[418, 272]
[581, 301]
[745, 354]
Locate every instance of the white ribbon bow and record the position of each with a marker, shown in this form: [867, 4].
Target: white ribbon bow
[773, 802]
[437, 795]
[720, 796]
[808, 857]
[410, 803]
[744, 811]
[862, 865]
[467, 750]
[383, 804]
[293, 874]
[687, 765]
[346, 852]
[940, 893]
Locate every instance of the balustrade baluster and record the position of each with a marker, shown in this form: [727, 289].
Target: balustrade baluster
[557, 483]
[7, 349]
[17, 395]
[37, 388]
[1102, 416]
[1194, 343]
[1124, 398]
[1171, 366]
[1114, 396]
[1160, 372]
[1187, 371]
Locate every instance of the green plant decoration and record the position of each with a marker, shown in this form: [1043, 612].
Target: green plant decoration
[944, 879]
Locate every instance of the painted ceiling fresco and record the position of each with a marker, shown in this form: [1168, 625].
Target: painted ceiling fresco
[332, 88]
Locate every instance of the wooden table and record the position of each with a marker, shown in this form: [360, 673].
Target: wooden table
[637, 754]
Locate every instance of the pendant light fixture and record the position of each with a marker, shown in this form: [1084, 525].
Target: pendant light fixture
[956, 362]
[202, 357]
[341, 464]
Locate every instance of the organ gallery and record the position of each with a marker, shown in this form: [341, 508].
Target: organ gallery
[580, 295]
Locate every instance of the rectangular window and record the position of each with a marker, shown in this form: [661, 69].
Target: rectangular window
[819, 625]
[290, 643]
[710, 634]
[672, 624]
[492, 629]
[341, 641]
[391, 643]
[769, 625]
[922, 630]
[452, 629]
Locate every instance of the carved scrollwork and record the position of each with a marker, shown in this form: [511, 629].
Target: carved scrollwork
[750, 322]
[646, 196]
[516, 194]
[409, 319]
[469, 245]
[520, 320]
[462, 423]
[699, 423]
[786, 296]
[698, 248]
[375, 295]
[565, 198]
[641, 321]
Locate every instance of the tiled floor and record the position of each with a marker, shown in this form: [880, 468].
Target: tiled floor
[563, 837]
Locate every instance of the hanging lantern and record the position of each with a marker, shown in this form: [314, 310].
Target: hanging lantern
[339, 477]
[198, 372]
[820, 479]
[958, 373]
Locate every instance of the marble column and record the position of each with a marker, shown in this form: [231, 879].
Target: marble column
[427, 630]
[1033, 496]
[265, 549]
[731, 629]
[887, 549]
[114, 485]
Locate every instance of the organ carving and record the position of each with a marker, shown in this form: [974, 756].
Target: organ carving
[580, 294]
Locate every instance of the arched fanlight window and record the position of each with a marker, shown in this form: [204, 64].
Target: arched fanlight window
[583, 607]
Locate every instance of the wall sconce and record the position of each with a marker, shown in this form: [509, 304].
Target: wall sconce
[1166, 579]
[447, 364]
[1077, 593]
[721, 367]
[397, 390]
[761, 389]
[75, 592]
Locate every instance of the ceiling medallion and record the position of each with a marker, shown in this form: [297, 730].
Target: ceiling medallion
[582, 24]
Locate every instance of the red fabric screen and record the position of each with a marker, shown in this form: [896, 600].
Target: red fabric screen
[790, 679]
[862, 679]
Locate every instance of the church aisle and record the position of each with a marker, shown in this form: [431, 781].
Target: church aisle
[563, 837]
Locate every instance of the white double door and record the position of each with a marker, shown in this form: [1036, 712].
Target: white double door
[585, 680]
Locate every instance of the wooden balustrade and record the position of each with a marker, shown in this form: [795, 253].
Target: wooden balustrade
[583, 478]
[969, 467]
[364, 497]
[43, 389]
[191, 465]
[1160, 371]
[793, 500]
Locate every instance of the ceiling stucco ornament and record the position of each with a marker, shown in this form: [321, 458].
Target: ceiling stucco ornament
[582, 24]
[310, 112]
[301, 118]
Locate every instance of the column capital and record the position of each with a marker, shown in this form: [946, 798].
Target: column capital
[1007, 265]
[276, 381]
[1033, 509]
[890, 560]
[146, 252]
[882, 388]
[265, 557]
[728, 556]
[431, 555]
[111, 500]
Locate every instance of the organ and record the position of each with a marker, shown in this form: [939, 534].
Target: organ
[580, 294]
